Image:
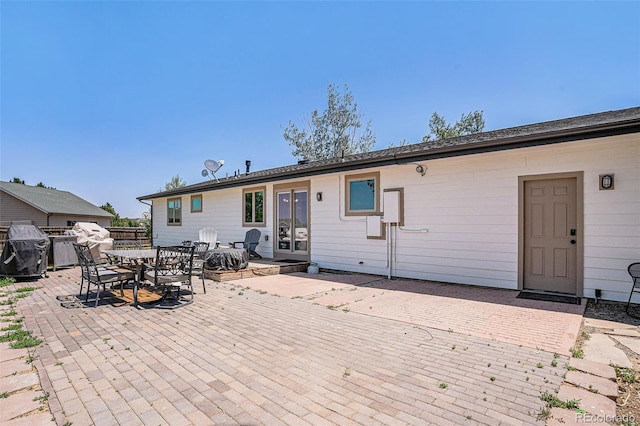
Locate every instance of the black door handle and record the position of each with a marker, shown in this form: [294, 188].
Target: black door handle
[573, 241]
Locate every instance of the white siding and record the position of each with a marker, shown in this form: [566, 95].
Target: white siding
[221, 210]
[469, 205]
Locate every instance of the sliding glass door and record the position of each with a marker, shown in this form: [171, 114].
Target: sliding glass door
[292, 222]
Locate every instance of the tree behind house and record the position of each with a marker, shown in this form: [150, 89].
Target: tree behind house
[117, 221]
[174, 183]
[468, 124]
[335, 132]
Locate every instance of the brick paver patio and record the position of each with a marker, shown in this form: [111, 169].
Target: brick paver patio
[387, 352]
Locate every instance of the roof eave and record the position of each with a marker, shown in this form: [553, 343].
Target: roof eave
[489, 145]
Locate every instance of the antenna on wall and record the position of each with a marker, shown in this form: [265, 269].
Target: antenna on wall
[212, 166]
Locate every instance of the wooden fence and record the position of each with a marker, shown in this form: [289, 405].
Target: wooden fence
[115, 233]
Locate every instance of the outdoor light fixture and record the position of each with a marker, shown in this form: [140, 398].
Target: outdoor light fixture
[420, 169]
[606, 181]
[319, 196]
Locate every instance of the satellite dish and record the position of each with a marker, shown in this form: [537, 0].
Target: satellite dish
[212, 166]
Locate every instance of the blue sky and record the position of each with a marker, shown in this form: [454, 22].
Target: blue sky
[110, 100]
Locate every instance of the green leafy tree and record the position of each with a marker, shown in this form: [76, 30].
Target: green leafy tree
[174, 183]
[335, 132]
[146, 223]
[470, 123]
[17, 180]
[109, 208]
[42, 185]
[117, 221]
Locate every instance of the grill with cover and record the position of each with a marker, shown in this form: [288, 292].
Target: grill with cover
[25, 252]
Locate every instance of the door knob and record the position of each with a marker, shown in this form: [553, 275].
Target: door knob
[573, 241]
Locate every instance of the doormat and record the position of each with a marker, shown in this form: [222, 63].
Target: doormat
[547, 297]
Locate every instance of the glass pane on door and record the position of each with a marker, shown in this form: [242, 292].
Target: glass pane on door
[301, 216]
[284, 220]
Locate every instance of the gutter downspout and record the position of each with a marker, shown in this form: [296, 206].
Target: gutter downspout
[151, 219]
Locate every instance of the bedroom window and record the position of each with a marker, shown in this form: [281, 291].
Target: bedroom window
[362, 194]
[196, 203]
[174, 211]
[253, 207]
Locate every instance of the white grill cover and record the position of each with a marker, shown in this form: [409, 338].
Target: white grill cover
[93, 234]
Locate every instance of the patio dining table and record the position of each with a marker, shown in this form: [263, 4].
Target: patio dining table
[136, 257]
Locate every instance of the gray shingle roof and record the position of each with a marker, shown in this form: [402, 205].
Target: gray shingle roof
[52, 200]
[586, 126]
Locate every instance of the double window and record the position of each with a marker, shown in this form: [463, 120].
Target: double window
[174, 211]
[362, 194]
[253, 207]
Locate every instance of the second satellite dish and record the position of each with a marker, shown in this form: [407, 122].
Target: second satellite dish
[212, 166]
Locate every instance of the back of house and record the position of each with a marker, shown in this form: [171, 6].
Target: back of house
[549, 207]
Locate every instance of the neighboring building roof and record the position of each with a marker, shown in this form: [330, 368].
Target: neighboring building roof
[565, 130]
[52, 201]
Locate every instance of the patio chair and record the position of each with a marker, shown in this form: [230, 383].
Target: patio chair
[208, 235]
[92, 273]
[170, 273]
[251, 241]
[200, 250]
[634, 271]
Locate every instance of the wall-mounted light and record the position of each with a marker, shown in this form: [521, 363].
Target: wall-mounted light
[606, 181]
[420, 169]
[319, 196]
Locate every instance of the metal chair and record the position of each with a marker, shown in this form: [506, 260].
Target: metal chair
[100, 276]
[251, 241]
[200, 250]
[634, 271]
[170, 273]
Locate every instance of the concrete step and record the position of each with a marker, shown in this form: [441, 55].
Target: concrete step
[564, 417]
[14, 366]
[598, 323]
[590, 402]
[19, 381]
[595, 368]
[633, 343]
[256, 269]
[593, 383]
[601, 348]
[18, 405]
[624, 332]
